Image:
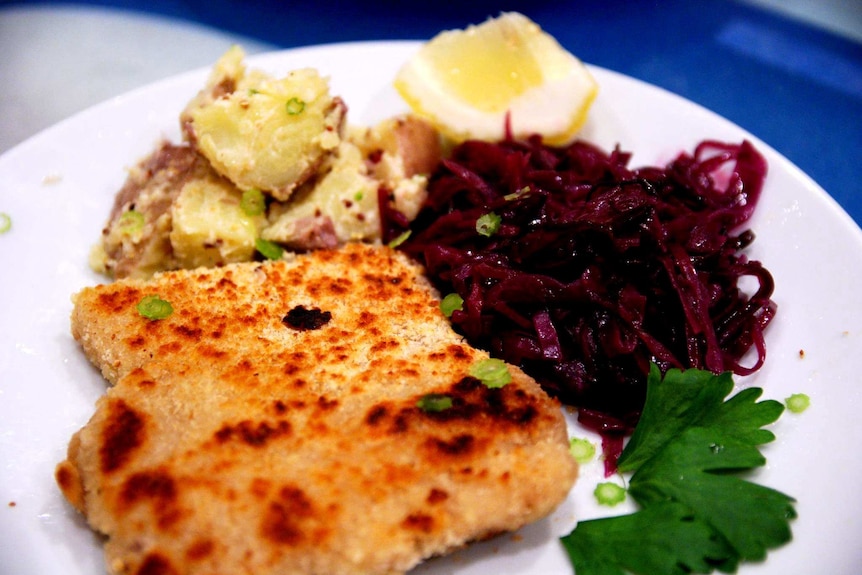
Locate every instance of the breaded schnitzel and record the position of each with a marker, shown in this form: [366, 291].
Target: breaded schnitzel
[275, 423]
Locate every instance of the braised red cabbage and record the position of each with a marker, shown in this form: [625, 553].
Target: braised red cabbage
[598, 269]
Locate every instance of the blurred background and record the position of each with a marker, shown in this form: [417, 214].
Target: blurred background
[790, 72]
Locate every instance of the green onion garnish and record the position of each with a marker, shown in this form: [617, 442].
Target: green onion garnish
[434, 402]
[583, 450]
[153, 307]
[609, 493]
[399, 240]
[358, 196]
[515, 195]
[488, 224]
[268, 249]
[798, 402]
[492, 372]
[451, 303]
[5, 222]
[131, 222]
[295, 106]
[252, 203]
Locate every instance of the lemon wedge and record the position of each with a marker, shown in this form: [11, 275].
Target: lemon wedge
[469, 83]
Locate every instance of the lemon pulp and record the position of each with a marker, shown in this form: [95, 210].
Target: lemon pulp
[497, 57]
[472, 83]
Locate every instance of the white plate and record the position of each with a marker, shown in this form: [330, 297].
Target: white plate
[59, 186]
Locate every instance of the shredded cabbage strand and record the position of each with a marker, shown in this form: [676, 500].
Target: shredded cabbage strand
[597, 269]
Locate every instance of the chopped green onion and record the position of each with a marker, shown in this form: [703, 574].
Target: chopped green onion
[153, 307]
[609, 494]
[358, 197]
[399, 240]
[492, 372]
[515, 195]
[5, 222]
[583, 450]
[295, 106]
[451, 303]
[488, 224]
[434, 402]
[269, 250]
[798, 402]
[253, 202]
[131, 222]
[253, 91]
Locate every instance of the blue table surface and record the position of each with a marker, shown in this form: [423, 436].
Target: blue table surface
[791, 84]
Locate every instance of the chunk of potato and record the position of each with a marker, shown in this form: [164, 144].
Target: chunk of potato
[223, 78]
[402, 152]
[341, 206]
[262, 132]
[135, 240]
[210, 227]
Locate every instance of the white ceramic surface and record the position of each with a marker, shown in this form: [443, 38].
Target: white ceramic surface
[58, 187]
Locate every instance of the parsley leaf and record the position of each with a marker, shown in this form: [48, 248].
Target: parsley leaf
[695, 398]
[696, 513]
[660, 539]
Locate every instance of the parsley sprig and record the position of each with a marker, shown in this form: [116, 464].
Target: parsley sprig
[697, 514]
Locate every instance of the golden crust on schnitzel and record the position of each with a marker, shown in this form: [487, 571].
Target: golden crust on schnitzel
[271, 423]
